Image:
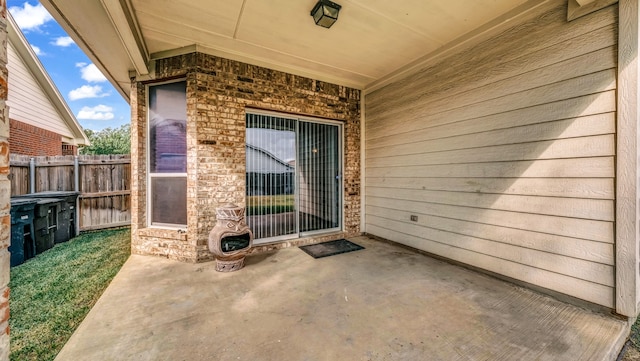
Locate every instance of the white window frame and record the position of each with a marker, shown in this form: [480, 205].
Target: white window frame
[150, 175]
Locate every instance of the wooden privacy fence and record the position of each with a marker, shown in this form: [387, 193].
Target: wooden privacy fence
[102, 180]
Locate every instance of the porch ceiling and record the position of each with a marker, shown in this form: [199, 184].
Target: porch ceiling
[371, 40]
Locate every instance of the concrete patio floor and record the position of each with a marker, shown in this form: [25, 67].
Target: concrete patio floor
[382, 303]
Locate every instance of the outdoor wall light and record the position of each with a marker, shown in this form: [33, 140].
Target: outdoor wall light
[325, 13]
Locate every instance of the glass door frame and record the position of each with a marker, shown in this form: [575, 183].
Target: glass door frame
[339, 216]
[340, 196]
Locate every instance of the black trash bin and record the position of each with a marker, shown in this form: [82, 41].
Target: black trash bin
[66, 221]
[46, 222]
[23, 244]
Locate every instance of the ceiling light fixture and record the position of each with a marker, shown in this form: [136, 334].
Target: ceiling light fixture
[325, 13]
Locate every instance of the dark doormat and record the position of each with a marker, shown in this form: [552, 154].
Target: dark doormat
[330, 248]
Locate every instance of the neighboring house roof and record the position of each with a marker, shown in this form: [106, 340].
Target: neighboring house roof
[261, 161]
[33, 97]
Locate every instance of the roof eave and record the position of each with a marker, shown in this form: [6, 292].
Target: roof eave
[122, 87]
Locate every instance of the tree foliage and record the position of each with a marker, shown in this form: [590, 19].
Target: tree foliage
[109, 141]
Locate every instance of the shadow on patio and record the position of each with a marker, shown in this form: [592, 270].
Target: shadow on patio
[381, 303]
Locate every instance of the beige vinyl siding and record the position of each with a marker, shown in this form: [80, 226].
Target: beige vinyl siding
[505, 152]
[27, 101]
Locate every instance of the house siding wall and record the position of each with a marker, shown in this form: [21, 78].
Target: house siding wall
[505, 152]
[219, 92]
[27, 139]
[28, 102]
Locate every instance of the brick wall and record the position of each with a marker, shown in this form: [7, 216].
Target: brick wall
[27, 139]
[5, 190]
[218, 93]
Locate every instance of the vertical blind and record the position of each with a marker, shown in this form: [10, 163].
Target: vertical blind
[270, 167]
[319, 176]
[168, 154]
[293, 176]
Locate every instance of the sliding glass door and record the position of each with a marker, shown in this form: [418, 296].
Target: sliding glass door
[318, 176]
[271, 163]
[293, 174]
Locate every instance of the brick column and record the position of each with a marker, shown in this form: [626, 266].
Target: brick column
[5, 190]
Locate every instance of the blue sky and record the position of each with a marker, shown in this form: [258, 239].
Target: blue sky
[93, 100]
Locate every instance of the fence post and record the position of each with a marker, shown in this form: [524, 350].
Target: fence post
[76, 187]
[76, 174]
[32, 175]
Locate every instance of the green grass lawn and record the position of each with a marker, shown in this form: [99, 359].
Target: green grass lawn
[53, 292]
[633, 350]
[261, 205]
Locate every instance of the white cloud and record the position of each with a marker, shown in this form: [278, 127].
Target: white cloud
[91, 73]
[64, 41]
[36, 50]
[87, 91]
[99, 112]
[30, 17]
